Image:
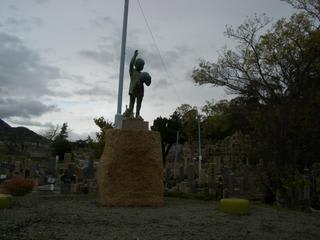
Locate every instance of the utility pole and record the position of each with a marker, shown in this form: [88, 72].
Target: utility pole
[118, 117]
[199, 146]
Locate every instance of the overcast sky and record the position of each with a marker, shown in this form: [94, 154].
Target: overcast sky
[59, 59]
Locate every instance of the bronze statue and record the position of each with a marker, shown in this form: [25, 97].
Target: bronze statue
[136, 89]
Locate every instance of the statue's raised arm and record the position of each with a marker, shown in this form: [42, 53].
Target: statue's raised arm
[133, 59]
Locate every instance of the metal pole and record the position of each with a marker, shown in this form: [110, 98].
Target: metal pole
[118, 117]
[176, 155]
[199, 146]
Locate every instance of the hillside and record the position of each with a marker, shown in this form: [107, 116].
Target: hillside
[19, 134]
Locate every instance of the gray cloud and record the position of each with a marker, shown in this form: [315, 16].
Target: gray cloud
[73, 136]
[102, 56]
[41, 1]
[158, 104]
[13, 7]
[15, 21]
[23, 24]
[28, 122]
[154, 64]
[96, 91]
[23, 108]
[161, 83]
[78, 79]
[101, 22]
[24, 79]
[71, 26]
[109, 50]
[188, 75]
[153, 59]
[22, 72]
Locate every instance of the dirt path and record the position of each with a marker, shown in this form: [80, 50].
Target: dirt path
[42, 217]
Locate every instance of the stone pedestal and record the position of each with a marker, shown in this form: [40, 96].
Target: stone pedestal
[130, 171]
[135, 124]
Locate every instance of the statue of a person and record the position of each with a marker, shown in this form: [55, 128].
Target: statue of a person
[136, 89]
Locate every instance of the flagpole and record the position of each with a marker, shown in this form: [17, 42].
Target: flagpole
[118, 117]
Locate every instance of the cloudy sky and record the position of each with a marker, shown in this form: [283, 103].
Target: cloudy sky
[59, 59]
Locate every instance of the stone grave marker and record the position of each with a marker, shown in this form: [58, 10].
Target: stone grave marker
[52, 165]
[90, 170]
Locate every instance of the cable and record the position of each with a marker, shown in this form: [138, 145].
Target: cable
[158, 49]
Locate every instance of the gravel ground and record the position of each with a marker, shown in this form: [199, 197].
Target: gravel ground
[51, 216]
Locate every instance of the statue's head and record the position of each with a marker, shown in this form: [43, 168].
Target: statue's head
[139, 64]
[145, 78]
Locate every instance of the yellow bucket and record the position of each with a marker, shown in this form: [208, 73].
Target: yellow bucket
[234, 205]
[6, 201]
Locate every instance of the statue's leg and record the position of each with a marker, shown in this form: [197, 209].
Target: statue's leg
[131, 104]
[139, 101]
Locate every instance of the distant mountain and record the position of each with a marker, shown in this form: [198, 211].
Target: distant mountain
[4, 125]
[19, 134]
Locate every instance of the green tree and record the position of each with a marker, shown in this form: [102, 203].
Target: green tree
[168, 131]
[276, 72]
[188, 116]
[64, 131]
[312, 7]
[98, 145]
[224, 118]
[60, 144]
[266, 68]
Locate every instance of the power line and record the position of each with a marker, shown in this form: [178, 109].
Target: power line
[158, 49]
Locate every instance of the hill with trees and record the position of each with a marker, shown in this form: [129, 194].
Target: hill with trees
[19, 134]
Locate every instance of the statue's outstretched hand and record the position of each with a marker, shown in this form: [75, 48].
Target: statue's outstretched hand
[136, 52]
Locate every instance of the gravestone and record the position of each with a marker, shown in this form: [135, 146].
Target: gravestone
[90, 169]
[168, 177]
[181, 175]
[183, 186]
[65, 187]
[211, 176]
[68, 180]
[67, 160]
[316, 177]
[306, 187]
[71, 170]
[190, 172]
[52, 165]
[228, 181]
[315, 184]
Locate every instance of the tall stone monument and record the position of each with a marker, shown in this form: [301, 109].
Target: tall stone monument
[130, 171]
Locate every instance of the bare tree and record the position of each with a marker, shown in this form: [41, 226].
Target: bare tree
[51, 133]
